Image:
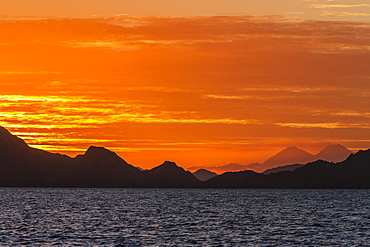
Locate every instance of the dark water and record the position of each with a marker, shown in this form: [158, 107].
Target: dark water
[184, 217]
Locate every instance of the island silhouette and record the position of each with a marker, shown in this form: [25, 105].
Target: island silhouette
[24, 166]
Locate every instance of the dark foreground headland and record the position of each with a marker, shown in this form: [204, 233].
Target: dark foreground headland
[23, 166]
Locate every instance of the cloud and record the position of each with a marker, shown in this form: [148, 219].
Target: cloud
[164, 32]
[326, 125]
[240, 97]
[340, 14]
[204, 82]
[325, 6]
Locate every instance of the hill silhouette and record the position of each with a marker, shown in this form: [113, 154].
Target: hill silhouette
[220, 169]
[204, 174]
[292, 158]
[331, 153]
[169, 175]
[23, 166]
[354, 172]
[99, 167]
[282, 168]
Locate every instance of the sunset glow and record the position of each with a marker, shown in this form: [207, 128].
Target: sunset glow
[198, 89]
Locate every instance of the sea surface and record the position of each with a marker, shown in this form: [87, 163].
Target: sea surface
[183, 217]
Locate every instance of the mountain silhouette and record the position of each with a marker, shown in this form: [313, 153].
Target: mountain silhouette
[354, 173]
[100, 167]
[204, 174]
[285, 159]
[11, 142]
[333, 153]
[169, 175]
[23, 166]
[282, 168]
[290, 155]
[220, 169]
[257, 167]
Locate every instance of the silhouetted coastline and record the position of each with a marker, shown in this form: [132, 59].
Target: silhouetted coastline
[23, 166]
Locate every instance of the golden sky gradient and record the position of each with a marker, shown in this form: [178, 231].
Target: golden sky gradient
[194, 87]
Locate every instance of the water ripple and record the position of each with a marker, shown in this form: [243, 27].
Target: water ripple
[183, 217]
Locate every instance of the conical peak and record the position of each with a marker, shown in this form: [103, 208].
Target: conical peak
[202, 170]
[288, 156]
[103, 156]
[99, 151]
[336, 147]
[333, 153]
[169, 164]
[93, 149]
[293, 148]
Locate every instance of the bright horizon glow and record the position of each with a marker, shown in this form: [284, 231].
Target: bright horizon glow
[197, 83]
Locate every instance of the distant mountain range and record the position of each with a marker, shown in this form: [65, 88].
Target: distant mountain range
[332, 153]
[354, 172]
[23, 166]
[288, 157]
[292, 157]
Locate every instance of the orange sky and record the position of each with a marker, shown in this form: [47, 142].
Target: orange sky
[200, 90]
[336, 10]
